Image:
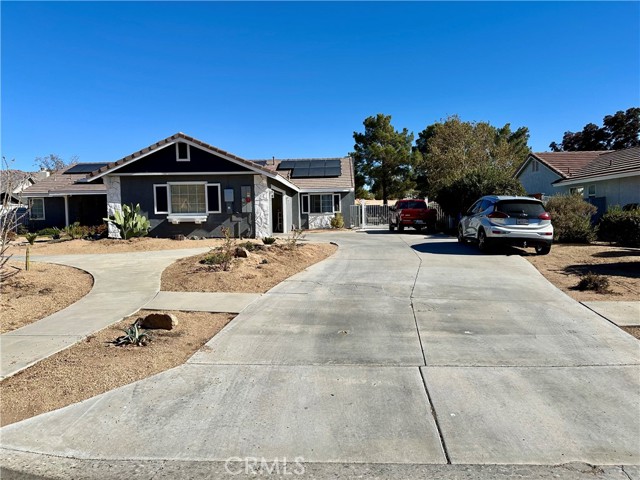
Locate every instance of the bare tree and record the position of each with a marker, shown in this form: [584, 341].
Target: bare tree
[11, 216]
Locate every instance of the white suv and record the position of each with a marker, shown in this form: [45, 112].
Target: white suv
[517, 221]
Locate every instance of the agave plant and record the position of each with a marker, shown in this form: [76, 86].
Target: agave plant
[133, 335]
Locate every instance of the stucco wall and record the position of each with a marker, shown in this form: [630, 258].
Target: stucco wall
[540, 181]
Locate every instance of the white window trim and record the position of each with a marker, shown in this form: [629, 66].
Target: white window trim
[589, 193]
[155, 198]
[31, 200]
[190, 214]
[333, 210]
[535, 166]
[178, 159]
[339, 202]
[206, 196]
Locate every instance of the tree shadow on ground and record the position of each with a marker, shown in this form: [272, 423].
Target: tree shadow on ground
[620, 252]
[618, 269]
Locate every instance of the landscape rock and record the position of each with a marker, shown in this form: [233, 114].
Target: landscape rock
[241, 252]
[158, 321]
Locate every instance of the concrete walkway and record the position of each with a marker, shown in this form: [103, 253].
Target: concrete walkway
[401, 350]
[123, 282]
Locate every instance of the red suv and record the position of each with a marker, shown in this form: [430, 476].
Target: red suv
[412, 213]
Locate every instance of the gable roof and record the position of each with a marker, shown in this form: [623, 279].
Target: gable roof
[112, 166]
[564, 164]
[345, 181]
[62, 183]
[611, 164]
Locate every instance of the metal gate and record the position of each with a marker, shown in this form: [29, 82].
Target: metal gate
[374, 216]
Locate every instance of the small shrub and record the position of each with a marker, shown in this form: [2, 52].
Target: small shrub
[620, 226]
[571, 219]
[133, 335]
[250, 246]
[269, 240]
[49, 232]
[31, 237]
[293, 240]
[220, 259]
[592, 281]
[76, 230]
[337, 221]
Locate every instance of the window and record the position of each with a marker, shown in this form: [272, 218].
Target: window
[321, 203]
[535, 166]
[182, 152]
[36, 209]
[161, 198]
[187, 198]
[592, 190]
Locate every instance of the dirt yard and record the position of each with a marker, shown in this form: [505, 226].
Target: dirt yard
[28, 296]
[566, 263]
[95, 365]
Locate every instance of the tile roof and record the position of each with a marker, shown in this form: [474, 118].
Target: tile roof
[60, 183]
[344, 181]
[567, 164]
[617, 162]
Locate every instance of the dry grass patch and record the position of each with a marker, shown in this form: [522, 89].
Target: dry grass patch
[635, 331]
[95, 365]
[262, 270]
[32, 295]
[567, 264]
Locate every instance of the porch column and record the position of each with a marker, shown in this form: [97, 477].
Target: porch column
[114, 201]
[262, 225]
[66, 210]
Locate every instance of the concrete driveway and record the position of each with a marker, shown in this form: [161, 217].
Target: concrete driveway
[399, 349]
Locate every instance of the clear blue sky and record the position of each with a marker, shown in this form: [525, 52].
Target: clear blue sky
[102, 80]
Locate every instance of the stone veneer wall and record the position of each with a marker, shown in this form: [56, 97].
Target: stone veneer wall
[320, 220]
[114, 202]
[261, 206]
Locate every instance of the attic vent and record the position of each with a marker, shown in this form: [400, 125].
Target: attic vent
[182, 152]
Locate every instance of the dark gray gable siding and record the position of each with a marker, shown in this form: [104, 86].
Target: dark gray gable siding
[165, 161]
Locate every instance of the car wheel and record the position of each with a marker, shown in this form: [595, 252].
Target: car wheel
[543, 249]
[461, 238]
[400, 227]
[483, 242]
[391, 227]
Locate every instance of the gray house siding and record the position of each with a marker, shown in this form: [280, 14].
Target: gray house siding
[540, 182]
[140, 189]
[616, 191]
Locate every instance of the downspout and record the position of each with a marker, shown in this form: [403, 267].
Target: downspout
[66, 210]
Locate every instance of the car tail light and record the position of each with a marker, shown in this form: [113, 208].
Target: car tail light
[498, 215]
[544, 216]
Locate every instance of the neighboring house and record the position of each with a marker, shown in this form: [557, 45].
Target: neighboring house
[603, 178]
[540, 171]
[12, 185]
[187, 187]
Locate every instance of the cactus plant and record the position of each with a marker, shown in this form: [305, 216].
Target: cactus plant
[130, 222]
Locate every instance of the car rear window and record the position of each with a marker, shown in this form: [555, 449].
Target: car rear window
[520, 208]
[411, 204]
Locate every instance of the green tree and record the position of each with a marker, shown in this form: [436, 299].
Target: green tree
[53, 162]
[383, 158]
[618, 131]
[452, 148]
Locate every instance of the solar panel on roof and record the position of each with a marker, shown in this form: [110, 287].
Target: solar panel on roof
[286, 165]
[303, 164]
[316, 172]
[332, 172]
[332, 163]
[300, 172]
[85, 167]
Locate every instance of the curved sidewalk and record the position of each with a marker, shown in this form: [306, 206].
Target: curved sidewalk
[123, 283]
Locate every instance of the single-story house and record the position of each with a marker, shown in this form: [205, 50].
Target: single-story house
[603, 178]
[187, 187]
